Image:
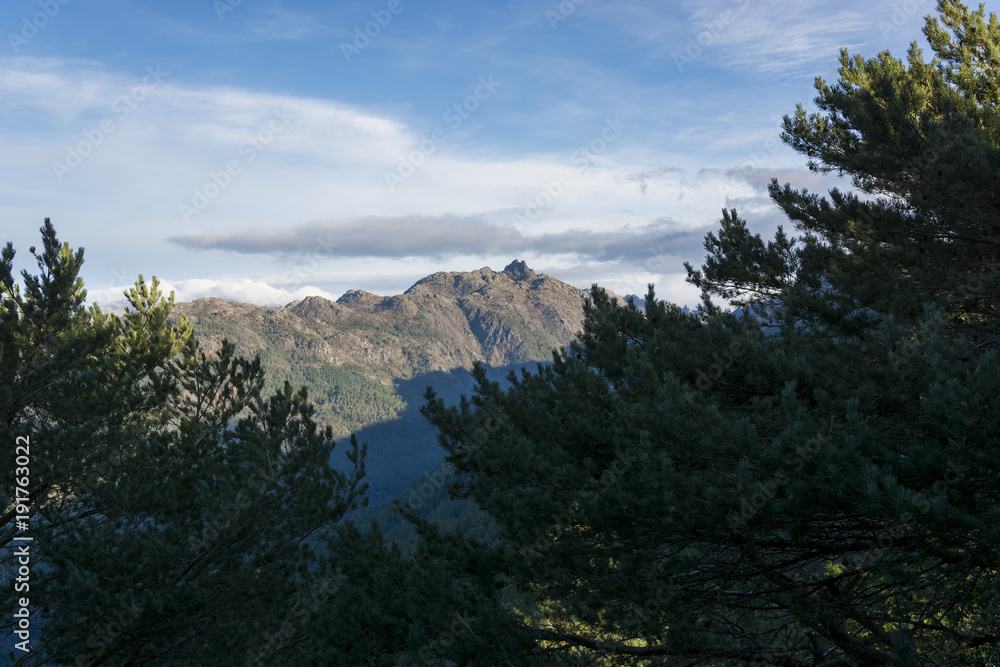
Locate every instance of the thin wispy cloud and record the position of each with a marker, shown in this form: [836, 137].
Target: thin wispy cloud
[246, 24]
[281, 25]
[781, 38]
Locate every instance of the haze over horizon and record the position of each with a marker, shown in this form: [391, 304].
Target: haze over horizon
[267, 151]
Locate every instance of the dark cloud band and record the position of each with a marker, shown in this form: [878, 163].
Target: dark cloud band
[445, 236]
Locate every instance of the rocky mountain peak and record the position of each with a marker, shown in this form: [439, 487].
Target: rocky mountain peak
[445, 321]
[367, 358]
[518, 270]
[313, 307]
[359, 296]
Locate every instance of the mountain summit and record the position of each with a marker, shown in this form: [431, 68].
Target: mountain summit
[446, 321]
[367, 359]
[518, 270]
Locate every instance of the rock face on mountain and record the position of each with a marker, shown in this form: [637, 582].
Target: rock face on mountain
[367, 359]
[444, 321]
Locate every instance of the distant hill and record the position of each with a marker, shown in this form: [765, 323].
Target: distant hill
[367, 359]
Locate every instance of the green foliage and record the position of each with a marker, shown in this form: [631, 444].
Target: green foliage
[423, 610]
[816, 482]
[428, 498]
[172, 508]
[813, 483]
[922, 140]
[353, 399]
[711, 490]
[346, 397]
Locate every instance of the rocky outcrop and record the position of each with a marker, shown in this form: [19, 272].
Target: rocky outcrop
[444, 321]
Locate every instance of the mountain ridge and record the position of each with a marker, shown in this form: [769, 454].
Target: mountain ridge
[498, 318]
[366, 359]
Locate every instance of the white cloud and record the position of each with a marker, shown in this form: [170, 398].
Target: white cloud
[329, 163]
[244, 290]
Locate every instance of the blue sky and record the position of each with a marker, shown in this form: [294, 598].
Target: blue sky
[263, 151]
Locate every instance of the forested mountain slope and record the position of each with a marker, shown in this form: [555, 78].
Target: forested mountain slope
[367, 359]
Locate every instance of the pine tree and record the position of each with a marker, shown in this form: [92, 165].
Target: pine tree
[813, 483]
[920, 141]
[174, 512]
